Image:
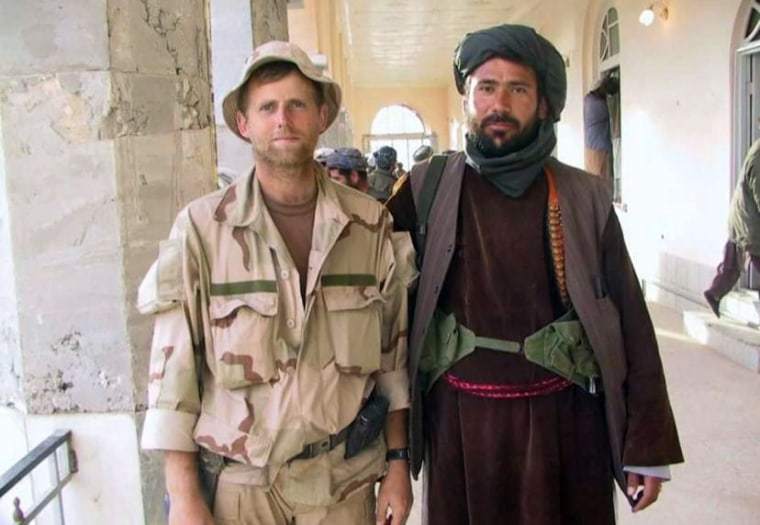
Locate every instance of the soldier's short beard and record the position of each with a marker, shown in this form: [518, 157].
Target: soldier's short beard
[286, 161]
[488, 146]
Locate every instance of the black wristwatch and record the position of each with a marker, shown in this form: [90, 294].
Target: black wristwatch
[397, 453]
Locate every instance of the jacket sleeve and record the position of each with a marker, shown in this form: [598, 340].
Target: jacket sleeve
[398, 274]
[651, 437]
[169, 291]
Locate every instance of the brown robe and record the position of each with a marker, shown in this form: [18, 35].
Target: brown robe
[536, 461]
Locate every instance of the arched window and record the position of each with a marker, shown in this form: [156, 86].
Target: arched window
[752, 32]
[609, 39]
[400, 127]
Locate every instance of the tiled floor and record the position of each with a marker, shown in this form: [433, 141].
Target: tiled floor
[717, 408]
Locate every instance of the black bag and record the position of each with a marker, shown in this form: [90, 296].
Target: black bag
[367, 426]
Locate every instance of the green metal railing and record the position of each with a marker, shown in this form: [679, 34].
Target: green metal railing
[62, 462]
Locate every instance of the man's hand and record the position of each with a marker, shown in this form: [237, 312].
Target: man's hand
[643, 489]
[186, 510]
[395, 494]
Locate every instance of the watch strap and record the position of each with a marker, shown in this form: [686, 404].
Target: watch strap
[397, 453]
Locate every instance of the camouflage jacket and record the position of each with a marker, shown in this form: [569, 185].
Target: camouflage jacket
[239, 364]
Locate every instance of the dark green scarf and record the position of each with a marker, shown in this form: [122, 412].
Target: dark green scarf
[513, 173]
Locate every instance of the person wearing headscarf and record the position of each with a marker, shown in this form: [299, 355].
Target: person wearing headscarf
[382, 178]
[321, 154]
[421, 154]
[535, 373]
[348, 166]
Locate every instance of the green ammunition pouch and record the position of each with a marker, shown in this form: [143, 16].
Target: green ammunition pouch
[561, 347]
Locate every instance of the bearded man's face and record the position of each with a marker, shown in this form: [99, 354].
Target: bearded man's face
[503, 108]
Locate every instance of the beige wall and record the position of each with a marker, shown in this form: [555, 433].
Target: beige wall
[430, 103]
[676, 105]
[318, 29]
[302, 27]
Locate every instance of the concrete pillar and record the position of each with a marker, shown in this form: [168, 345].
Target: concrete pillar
[269, 20]
[237, 26]
[106, 130]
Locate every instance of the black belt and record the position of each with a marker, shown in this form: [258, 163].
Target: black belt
[323, 445]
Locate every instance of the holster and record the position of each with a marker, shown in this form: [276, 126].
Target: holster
[210, 465]
[368, 424]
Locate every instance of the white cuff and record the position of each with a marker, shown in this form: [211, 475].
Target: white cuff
[662, 472]
[168, 430]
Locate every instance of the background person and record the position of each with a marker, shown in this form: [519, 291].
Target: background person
[744, 231]
[348, 166]
[383, 178]
[321, 154]
[597, 127]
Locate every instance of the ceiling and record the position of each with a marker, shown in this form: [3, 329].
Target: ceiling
[397, 42]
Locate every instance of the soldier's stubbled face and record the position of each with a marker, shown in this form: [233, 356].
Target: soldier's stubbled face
[283, 121]
[502, 106]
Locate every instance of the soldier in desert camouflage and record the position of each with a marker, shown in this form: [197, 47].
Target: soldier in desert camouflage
[281, 309]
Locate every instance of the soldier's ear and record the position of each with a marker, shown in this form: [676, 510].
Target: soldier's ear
[242, 124]
[323, 114]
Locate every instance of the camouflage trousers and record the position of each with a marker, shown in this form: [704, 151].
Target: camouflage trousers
[238, 504]
[326, 489]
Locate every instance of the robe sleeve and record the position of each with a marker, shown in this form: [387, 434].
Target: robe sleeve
[651, 437]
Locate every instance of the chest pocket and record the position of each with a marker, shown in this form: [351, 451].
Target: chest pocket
[353, 326]
[243, 332]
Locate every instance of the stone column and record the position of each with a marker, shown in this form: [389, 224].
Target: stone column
[106, 130]
[269, 20]
[237, 26]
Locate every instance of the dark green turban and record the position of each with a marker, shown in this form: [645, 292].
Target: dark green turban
[521, 44]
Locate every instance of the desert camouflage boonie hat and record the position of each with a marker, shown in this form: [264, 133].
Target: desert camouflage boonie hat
[277, 51]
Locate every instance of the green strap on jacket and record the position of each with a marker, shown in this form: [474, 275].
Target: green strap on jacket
[561, 347]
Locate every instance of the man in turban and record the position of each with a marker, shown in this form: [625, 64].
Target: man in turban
[535, 371]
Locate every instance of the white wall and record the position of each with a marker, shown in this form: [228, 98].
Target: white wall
[106, 488]
[676, 92]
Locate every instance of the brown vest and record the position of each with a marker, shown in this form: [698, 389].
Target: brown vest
[586, 204]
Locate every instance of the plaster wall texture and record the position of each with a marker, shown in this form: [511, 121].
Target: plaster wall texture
[92, 159]
[106, 129]
[10, 351]
[38, 37]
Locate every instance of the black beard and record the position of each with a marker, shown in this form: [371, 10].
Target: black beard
[486, 144]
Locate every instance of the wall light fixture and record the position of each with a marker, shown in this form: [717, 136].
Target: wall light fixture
[656, 9]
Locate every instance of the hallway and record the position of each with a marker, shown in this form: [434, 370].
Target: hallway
[719, 424]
